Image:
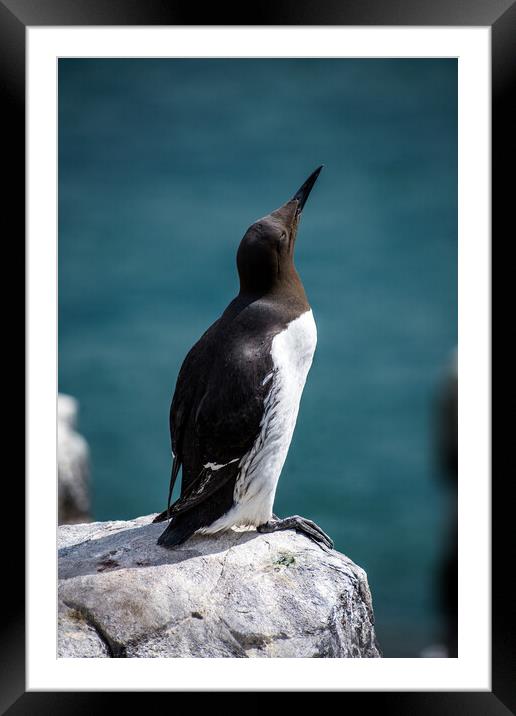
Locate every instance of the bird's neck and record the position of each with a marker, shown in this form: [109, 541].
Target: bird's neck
[286, 288]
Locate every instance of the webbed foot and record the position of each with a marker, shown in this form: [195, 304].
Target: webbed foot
[300, 524]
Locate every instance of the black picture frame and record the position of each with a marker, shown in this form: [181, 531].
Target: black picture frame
[500, 15]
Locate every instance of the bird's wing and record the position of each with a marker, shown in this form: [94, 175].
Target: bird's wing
[208, 482]
[216, 413]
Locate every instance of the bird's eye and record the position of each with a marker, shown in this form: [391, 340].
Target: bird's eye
[283, 235]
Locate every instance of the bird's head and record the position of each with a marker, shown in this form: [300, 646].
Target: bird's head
[265, 256]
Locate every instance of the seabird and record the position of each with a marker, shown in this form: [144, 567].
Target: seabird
[237, 395]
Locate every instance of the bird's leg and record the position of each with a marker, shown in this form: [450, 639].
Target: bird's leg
[300, 524]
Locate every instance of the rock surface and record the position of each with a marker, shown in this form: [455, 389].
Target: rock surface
[238, 594]
[72, 464]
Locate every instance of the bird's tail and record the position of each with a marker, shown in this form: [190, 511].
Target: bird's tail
[178, 531]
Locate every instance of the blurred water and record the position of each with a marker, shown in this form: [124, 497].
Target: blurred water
[162, 166]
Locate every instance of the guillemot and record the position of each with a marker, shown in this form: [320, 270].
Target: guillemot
[237, 395]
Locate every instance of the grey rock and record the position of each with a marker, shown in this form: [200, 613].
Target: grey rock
[72, 465]
[76, 637]
[236, 594]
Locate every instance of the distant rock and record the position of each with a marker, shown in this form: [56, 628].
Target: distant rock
[72, 464]
[237, 594]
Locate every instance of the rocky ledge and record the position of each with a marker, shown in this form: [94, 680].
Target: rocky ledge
[238, 594]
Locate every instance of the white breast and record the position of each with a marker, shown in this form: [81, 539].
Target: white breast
[292, 352]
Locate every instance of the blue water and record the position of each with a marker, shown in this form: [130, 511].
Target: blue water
[163, 164]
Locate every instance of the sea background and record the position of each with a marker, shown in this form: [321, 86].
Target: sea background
[163, 164]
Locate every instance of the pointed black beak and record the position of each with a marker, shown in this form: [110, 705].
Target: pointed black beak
[302, 195]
